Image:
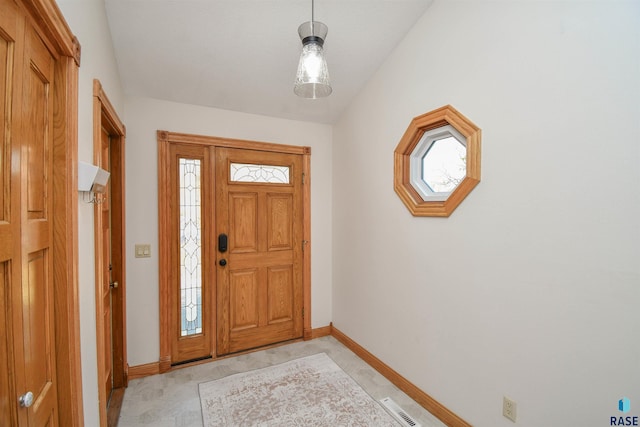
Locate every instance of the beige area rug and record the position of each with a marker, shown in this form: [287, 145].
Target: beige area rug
[310, 391]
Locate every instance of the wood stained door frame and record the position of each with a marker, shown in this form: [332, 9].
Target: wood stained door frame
[46, 18]
[165, 139]
[105, 116]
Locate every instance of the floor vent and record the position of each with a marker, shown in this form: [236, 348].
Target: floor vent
[398, 413]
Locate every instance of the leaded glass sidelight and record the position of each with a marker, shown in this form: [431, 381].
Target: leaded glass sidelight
[190, 247]
[242, 172]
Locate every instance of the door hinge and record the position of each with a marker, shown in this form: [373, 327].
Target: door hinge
[303, 177]
[304, 243]
[303, 312]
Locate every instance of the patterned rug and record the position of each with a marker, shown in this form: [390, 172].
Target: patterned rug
[310, 391]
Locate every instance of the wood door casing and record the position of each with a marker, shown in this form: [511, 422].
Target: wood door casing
[109, 227]
[259, 290]
[167, 246]
[105, 266]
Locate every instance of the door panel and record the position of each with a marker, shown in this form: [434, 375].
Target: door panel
[5, 387]
[243, 286]
[38, 335]
[36, 88]
[37, 302]
[280, 226]
[7, 49]
[259, 289]
[35, 321]
[243, 214]
[280, 294]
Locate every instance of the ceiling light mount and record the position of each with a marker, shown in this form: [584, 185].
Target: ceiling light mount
[312, 78]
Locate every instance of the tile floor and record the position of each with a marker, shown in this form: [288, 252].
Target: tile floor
[172, 400]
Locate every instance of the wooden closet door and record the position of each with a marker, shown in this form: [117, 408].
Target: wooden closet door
[26, 227]
[39, 347]
[37, 303]
[10, 31]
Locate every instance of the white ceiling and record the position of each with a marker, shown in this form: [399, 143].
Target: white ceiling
[242, 55]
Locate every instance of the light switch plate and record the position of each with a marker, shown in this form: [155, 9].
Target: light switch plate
[143, 250]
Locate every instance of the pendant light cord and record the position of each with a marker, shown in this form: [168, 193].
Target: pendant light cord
[313, 33]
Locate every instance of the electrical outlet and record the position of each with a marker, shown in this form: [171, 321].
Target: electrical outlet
[509, 408]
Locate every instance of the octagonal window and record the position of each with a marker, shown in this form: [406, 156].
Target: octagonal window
[438, 163]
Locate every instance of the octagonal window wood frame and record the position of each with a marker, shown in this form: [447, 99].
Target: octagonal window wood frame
[442, 116]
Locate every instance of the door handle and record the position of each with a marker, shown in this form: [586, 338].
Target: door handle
[26, 399]
[222, 262]
[113, 285]
[222, 242]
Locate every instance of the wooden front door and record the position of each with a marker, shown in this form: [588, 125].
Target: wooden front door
[27, 363]
[234, 219]
[259, 273]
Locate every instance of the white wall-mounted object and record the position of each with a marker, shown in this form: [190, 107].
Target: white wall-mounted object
[92, 178]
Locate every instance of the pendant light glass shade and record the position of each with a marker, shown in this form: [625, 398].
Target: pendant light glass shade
[312, 78]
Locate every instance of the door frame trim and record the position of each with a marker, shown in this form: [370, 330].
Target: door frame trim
[105, 114]
[164, 139]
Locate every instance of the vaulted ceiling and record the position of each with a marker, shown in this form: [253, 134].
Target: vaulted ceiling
[242, 55]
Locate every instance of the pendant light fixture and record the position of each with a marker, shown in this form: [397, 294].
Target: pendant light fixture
[312, 79]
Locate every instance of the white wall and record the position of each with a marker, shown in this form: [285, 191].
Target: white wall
[88, 21]
[523, 291]
[531, 289]
[143, 118]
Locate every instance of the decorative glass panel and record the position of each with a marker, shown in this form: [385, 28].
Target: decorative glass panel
[241, 172]
[190, 248]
